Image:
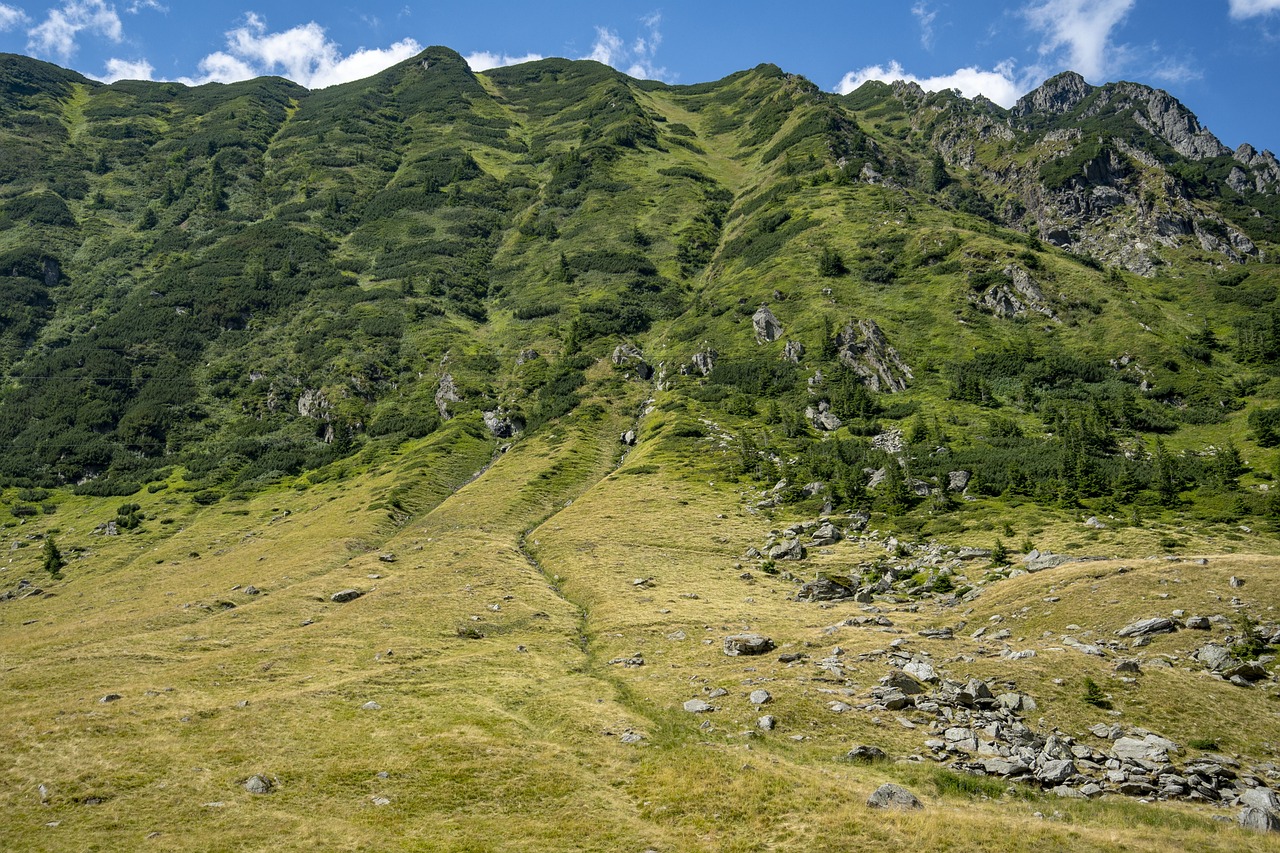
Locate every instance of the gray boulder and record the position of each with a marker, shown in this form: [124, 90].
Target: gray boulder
[698, 706]
[343, 596]
[747, 644]
[760, 697]
[1146, 627]
[891, 796]
[1213, 656]
[767, 327]
[826, 588]
[258, 784]
[866, 754]
[787, 549]
[1259, 820]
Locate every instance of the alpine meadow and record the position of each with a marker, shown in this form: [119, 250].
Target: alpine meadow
[545, 459]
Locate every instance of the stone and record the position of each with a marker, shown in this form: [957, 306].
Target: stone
[900, 681]
[1092, 521]
[109, 698]
[1149, 748]
[788, 549]
[793, 351]
[1055, 772]
[446, 393]
[705, 360]
[698, 706]
[503, 425]
[1128, 666]
[767, 723]
[747, 644]
[628, 438]
[958, 481]
[1213, 656]
[825, 535]
[1260, 798]
[766, 326]
[760, 697]
[826, 588]
[1199, 623]
[371, 706]
[1236, 582]
[866, 755]
[863, 347]
[343, 596]
[1259, 820]
[823, 418]
[1146, 627]
[258, 784]
[921, 671]
[1248, 671]
[890, 796]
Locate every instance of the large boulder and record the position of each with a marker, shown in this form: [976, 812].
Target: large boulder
[747, 644]
[891, 796]
[1145, 627]
[767, 327]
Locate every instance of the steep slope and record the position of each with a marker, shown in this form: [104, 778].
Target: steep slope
[537, 359]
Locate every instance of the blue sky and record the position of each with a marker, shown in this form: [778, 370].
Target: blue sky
[1220, 57]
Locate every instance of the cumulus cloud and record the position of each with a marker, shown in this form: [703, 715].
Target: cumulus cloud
[304, 54]
[636, 58]
[483, 60]
[1242, 9]
[925, 16]
[1081, 29]
[57, 34]
[124, 69]
[999, 84]
[11, 17]
[138, 5]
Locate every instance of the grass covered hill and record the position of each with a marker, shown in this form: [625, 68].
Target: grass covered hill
[564, 378]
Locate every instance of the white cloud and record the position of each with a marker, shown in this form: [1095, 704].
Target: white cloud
[1174, 71]
[304, 54]
[483, 60]
[635, 59]
[56, 35]
[998, 84]
[1083, 29]
[11, 17]
[138, 5]
[1242, 9]
[124, 69]
[925, 16]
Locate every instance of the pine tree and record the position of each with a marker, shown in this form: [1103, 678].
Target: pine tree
[1164, 478]
[52, 557]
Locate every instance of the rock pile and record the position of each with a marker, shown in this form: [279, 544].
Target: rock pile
[980, 727]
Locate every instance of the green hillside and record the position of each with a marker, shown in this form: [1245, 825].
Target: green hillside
[566, 374]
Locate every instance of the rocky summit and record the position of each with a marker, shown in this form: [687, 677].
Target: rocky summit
[457, 460]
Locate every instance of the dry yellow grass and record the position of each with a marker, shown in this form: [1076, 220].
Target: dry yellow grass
[511, 740]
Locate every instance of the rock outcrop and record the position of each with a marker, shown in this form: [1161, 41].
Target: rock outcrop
[863, 347]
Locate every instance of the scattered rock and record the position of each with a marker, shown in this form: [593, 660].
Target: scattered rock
[767, 327]
[891, 796]
[866, 755]
[1146, 627]
[760, 697]
[767, 723]
[343, 596]
[109, 698]
[371, 706]
[1258, 820]
[258, 784]
[698, 706]
[747, 644]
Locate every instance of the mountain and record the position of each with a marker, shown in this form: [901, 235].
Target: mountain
[548, 374]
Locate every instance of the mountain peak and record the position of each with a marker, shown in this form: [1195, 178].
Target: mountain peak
[1058, 95]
